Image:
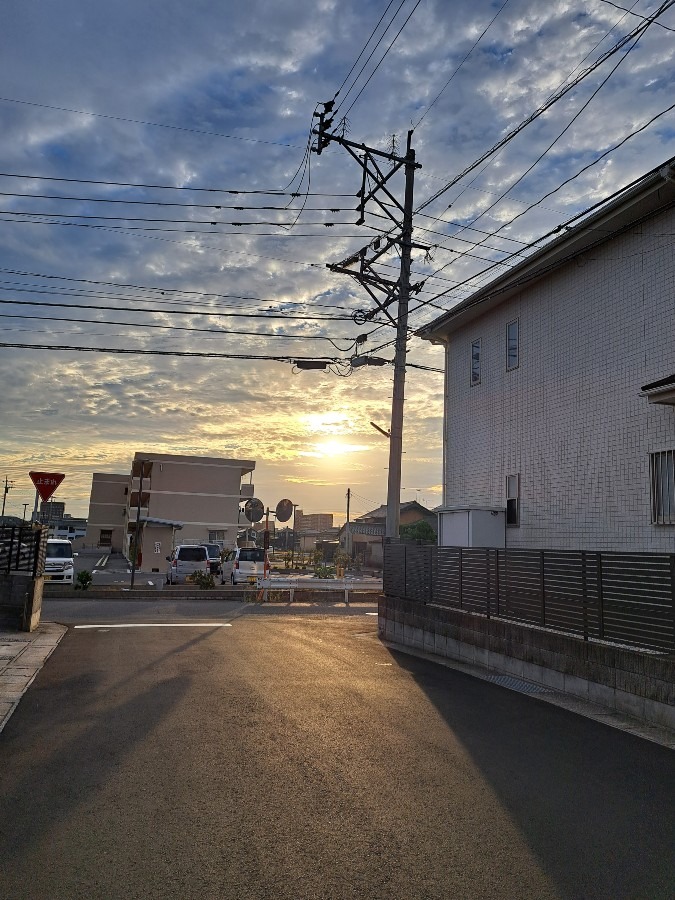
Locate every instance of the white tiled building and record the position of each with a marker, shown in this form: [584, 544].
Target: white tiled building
[560, 384]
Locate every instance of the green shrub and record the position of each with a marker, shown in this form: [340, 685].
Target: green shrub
[83, 581]
[204, 580]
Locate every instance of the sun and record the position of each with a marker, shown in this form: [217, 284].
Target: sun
[333, 449]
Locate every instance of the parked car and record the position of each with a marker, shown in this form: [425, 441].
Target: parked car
[214, 552]
[185, 560]
[60, 562]
[244, 564]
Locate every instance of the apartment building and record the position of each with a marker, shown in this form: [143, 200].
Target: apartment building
[175, 499]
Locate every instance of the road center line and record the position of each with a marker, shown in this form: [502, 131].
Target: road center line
[160, 625]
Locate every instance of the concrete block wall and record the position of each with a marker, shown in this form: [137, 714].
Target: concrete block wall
[20, 601]
[569, 420]
[635, 682]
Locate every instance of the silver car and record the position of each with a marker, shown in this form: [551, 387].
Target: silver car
[245, 564]
[186, 560]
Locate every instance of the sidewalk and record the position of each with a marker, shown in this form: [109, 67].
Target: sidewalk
[22, 655]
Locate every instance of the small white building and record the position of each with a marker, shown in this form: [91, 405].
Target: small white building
[560, 384]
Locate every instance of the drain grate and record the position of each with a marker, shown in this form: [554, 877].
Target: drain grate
[515, 684]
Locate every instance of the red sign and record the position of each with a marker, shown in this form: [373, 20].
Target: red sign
[46, 483]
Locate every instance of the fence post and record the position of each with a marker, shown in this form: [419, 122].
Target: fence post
[672, 593]
[542, 579]
[601, 610]
[487, 573]
[497, 578]
[584, 594]
[460, 577]
[405, 570]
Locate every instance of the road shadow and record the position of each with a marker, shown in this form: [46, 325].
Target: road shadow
[595, 805]
[66, 742]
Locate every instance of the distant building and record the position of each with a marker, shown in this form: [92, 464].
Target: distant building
[312, 521]
[181, 499]
[363, 538]
[52, 511]
[70, 528]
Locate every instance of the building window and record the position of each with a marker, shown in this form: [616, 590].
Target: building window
[512, 345]
[475, 362]
[513, 500]
[105, 538]
[662, 480]
[216, 537]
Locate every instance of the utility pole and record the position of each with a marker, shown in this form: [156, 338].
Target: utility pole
[400, 238]
[8, 486]
[137, 532]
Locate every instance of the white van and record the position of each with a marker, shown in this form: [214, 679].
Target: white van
[60, 563]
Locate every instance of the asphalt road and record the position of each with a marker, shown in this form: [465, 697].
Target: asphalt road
[293, 756]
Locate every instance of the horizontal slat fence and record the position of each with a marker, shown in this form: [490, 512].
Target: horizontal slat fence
[628, 598]
[22, 549]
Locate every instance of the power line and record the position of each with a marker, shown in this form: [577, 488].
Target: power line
[213, 222]
[132, 230]
[565, 89]
[80, 112]
[473, 47]
[637, 15]
[215, 331]
[27, 196]
[178, 312]
[139, 287]
[365, 47]
[563, 184]
[166, 187]
[383, 58]
[520, 178]
[181, 353]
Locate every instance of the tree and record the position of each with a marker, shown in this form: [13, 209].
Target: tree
[418, 531]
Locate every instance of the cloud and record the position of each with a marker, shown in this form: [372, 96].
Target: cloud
[231, 92]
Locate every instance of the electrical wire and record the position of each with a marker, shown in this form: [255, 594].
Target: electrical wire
[215, 331]
[382, 58]
[183, 353]
[554, 98]
[80, 112]
[521, 177]
[447, 83]
[637, 15]
[26, 196]
[178, 312]
[165, 187]
[139, 287]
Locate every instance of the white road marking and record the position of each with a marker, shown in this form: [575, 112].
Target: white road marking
[163, 625]
[372, 614]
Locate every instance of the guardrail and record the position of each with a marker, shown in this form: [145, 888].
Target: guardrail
[293, 585]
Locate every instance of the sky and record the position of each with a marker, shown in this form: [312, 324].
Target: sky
[157, 194]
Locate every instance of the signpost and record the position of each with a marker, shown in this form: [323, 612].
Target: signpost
[45, 485]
